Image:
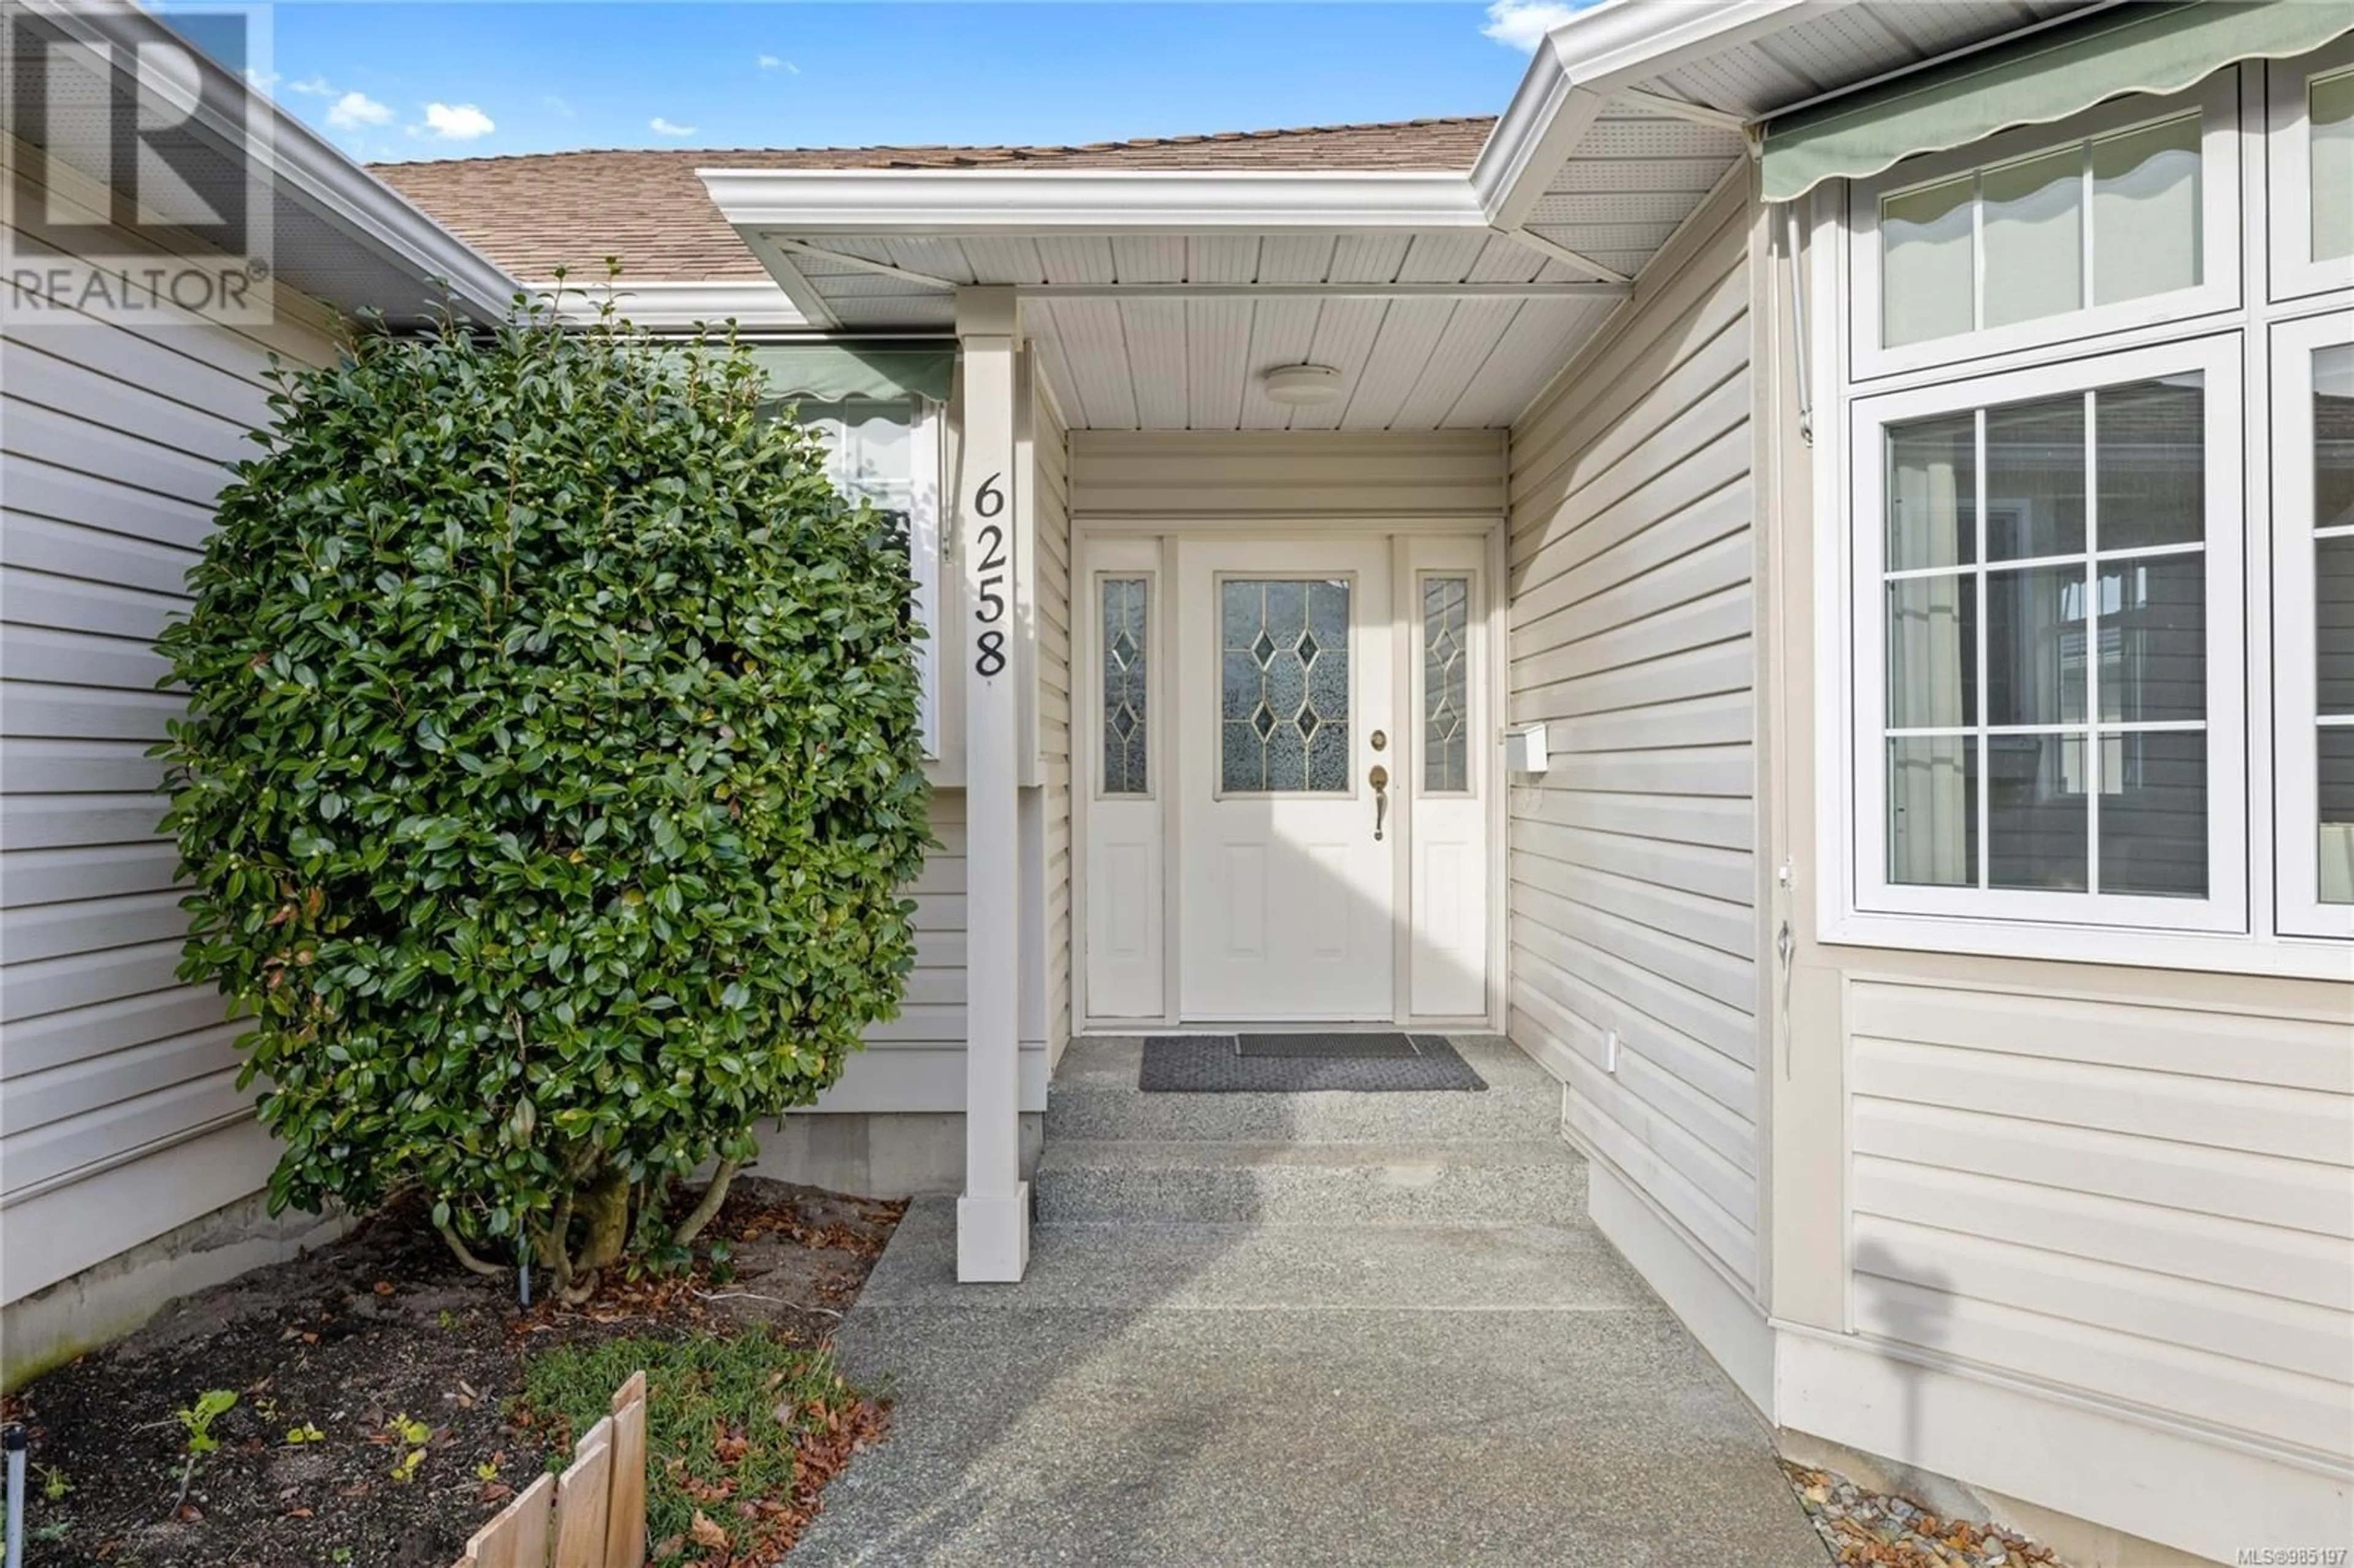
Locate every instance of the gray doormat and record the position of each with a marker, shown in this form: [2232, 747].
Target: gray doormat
[1325, 1045]
[1219, 1064]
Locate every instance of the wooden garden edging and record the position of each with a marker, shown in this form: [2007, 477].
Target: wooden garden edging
[592, 1516]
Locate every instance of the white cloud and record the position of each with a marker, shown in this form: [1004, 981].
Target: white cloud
[1524, 24]
[316, 86]
[556, 105]
[354, 109]
[260, 80]
[457, 123]
[770, 62]
[661, 127]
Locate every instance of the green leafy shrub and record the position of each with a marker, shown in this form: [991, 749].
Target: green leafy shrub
[551, 772]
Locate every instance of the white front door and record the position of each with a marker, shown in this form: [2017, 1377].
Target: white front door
[1287, 780]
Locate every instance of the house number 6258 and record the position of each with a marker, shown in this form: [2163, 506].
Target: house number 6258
[989, 540]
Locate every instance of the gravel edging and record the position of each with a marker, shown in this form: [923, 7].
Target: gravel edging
[1872, 1528]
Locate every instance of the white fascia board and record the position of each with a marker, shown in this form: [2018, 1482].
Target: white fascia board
[1627, 41]
[1538, 129]
[1585, 60]
[313, 173]
[942, 202]
[754, 304]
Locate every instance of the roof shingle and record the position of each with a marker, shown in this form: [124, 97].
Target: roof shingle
[536, 212]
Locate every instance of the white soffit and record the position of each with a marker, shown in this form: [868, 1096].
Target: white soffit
[1844, 47]
[1127, 358]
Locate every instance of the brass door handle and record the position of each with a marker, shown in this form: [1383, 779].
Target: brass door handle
[1380, 779]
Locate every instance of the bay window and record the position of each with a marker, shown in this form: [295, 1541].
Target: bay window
[2095, 485]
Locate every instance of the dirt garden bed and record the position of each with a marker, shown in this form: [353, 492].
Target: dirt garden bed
[389, 1402]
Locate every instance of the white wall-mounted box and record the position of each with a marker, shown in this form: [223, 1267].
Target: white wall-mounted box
[1524, 750]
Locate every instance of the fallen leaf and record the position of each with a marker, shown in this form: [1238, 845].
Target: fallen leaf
[298, 1513]
[383, 1287]
[707, 1531]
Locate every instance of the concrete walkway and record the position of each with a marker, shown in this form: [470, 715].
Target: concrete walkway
[1309, 1330]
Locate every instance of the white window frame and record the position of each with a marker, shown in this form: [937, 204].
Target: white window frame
[2217, 359]
[2295, 273]
[2217, 101]
[2296, 880]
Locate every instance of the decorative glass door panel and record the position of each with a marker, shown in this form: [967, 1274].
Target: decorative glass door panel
[1283, 665]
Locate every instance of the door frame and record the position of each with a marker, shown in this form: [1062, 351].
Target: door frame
[1117, 546]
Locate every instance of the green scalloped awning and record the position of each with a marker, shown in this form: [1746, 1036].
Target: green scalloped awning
[834, 372]
[2037, 79]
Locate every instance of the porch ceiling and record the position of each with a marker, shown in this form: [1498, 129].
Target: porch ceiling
[1123, 355]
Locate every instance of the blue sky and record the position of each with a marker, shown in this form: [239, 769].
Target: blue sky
[415, 80]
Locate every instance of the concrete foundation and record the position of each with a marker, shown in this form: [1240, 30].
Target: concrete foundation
[878, 1154]
[101, 1304]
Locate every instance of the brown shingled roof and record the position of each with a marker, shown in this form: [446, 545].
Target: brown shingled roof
[533, 213]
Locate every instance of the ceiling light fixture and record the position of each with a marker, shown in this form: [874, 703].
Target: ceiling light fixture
[1307, 385]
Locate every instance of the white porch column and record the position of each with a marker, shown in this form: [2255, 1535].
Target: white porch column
[993, 1214]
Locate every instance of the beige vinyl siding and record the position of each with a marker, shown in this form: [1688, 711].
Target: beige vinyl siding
[120, 1115]
[1051, 515]
[2152, 1205]
[1631, 862]
[1268, 476]
[916, 1061]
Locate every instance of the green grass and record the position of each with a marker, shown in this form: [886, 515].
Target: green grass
[712, 1434]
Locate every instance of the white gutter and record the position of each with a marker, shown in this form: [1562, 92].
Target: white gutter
[752, 304]
[306, 169]
[1098, 201]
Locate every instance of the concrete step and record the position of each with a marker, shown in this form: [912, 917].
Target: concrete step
[1087, 1112]
[1190, 1181]
[1564, 1267]
[1094, 1096]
